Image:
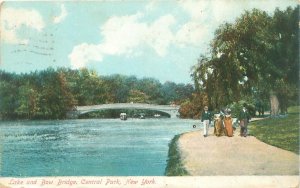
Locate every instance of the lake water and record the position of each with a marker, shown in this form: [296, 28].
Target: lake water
[88, 147]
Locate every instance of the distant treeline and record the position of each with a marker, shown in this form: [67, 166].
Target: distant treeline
[50, 93]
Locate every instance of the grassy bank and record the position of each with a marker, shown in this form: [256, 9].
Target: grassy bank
[174, 164]
[282, 132]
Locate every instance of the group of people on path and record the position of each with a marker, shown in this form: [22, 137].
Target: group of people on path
[223, 122]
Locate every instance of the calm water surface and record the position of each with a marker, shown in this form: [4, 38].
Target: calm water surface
[89, 147]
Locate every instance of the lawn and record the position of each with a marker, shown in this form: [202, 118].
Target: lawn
[282, 132]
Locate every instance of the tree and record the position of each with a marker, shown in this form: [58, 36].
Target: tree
[192, 108]
[27, 101]
[116, 88]
[55, 98]
[8, 98]
[256, 53]
[137, 96]
[152, 88]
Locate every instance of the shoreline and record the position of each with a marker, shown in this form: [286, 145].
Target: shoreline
[174, 162]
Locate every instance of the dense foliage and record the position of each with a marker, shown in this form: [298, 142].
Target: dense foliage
[49, 94]
[254, 59]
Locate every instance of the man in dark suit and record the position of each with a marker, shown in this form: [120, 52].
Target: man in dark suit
[244, 118]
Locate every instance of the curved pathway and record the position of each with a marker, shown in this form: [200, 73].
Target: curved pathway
[234, 156]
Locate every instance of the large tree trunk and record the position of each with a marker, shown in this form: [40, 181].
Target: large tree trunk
[274, 104]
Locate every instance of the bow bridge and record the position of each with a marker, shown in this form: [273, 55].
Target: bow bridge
[172, 110]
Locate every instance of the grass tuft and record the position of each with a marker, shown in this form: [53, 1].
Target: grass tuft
[174, 164]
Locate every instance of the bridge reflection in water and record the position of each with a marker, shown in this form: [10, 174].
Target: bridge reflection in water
[172, 110]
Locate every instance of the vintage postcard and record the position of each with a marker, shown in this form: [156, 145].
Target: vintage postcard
[146, 93]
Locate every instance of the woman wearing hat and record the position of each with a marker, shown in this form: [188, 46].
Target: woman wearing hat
[205, 119]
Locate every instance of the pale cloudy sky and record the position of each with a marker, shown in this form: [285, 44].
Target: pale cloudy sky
[159, 39]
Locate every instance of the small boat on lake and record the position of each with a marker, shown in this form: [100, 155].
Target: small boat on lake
[123, 116]
[142, 116]
[157, 115]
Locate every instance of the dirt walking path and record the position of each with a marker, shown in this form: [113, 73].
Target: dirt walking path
[234, 156]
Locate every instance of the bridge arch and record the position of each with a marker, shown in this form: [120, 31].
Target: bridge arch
[172, 110]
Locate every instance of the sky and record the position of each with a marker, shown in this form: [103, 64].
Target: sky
[158, 39]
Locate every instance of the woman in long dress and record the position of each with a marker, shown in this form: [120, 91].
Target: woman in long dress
[218, 128]
[228, 123]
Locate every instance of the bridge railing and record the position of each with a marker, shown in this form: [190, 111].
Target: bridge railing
[129, 105]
